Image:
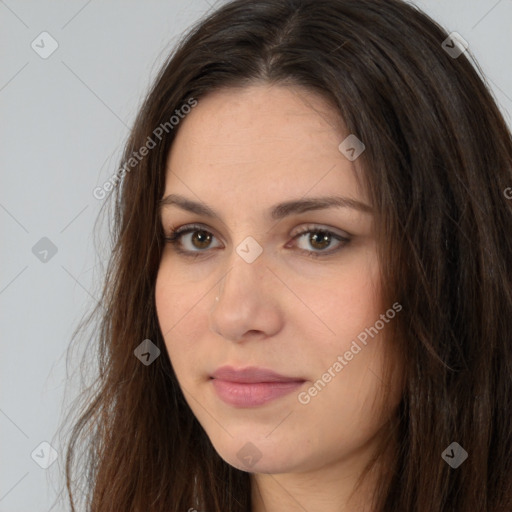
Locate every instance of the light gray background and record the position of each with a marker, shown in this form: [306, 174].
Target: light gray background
[63, 122]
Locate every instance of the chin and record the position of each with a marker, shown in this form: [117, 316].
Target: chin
[258, 456]
[266, 464]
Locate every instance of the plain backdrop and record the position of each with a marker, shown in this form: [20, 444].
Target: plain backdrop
[64, 119]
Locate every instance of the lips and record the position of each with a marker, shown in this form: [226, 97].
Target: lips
[251, 375]
[252, 387]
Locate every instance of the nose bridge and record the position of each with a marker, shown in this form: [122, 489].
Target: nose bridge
[247, 268]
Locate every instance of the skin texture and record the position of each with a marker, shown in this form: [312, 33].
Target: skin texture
[241, 151]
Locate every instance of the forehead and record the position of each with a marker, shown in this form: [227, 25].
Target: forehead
[259, 139]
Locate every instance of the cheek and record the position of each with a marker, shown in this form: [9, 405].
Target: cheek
[177, 302]
[178, 295]
[349, 307]
[166, 301]
[348, 301]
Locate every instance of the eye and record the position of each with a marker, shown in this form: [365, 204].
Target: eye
[194, 240]
[320, 239]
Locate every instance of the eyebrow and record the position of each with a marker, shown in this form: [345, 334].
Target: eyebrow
[277, 212]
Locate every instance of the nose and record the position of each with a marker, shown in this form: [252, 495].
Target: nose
[248, 304]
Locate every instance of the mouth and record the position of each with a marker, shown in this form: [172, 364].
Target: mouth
[252, 387]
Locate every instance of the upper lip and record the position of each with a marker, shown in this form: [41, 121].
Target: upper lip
[251, 374]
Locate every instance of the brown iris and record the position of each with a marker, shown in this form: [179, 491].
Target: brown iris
[203, 238]
[320, 237]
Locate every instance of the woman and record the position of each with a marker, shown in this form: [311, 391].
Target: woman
[309, 301]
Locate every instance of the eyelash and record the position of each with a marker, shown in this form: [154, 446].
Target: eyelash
[175, 236]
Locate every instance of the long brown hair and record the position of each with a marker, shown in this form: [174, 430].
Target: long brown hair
[437, 161]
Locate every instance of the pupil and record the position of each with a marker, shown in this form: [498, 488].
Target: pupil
[318, 238]
[202, 234]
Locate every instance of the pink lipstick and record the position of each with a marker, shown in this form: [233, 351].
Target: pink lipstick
[252, 387]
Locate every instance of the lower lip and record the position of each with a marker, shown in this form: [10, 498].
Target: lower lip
[241, 394]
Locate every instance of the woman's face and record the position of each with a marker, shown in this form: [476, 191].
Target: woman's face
[258, 159]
